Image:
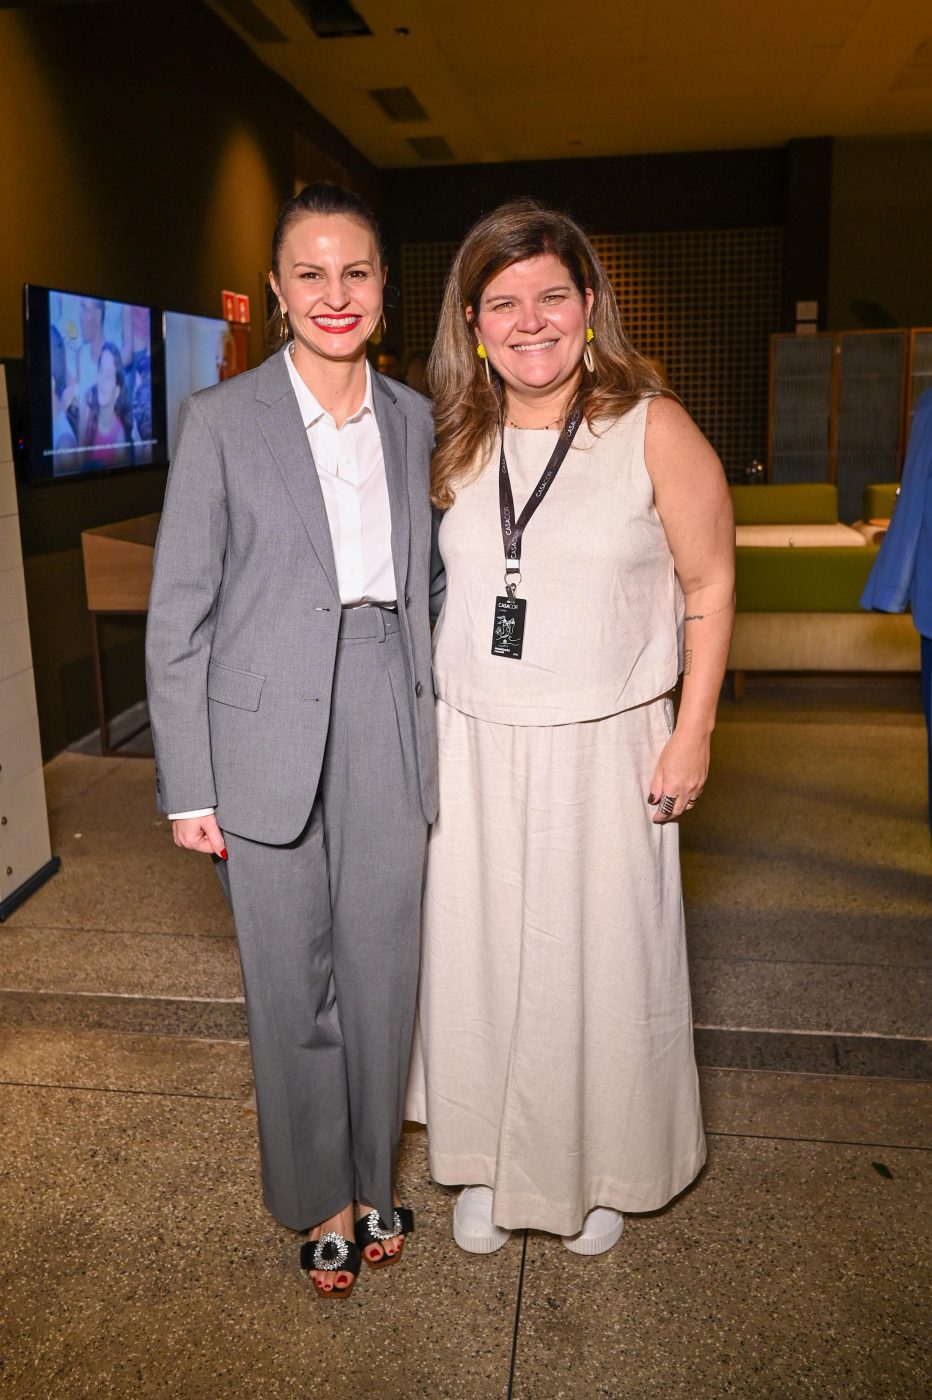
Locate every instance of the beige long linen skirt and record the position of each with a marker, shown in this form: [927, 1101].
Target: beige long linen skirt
[555, 1058]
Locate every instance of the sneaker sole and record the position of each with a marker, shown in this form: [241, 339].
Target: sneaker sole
[599, 1245]
[480, 1244]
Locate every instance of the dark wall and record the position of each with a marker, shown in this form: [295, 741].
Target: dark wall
[807, 229]
[617, 194]
[880, 261]
[144, 152]
[788, 188]
[855, 214]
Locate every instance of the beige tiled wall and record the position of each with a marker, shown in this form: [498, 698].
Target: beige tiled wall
[24, 830]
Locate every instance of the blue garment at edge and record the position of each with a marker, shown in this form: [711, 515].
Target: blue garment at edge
[902, 572]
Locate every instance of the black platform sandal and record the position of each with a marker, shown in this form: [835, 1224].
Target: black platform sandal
[372, 1229]
[331, 1253]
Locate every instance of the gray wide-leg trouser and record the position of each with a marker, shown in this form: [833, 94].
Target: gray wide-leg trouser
[328, 930]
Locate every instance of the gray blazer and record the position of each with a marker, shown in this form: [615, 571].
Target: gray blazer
[244, 612]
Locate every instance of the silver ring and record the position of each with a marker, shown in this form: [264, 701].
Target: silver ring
[667, 804]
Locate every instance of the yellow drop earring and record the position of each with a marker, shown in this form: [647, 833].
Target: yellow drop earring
[484, 357]
[588, 361]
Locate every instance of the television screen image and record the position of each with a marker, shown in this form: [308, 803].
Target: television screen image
[198, 351]
[95, 385]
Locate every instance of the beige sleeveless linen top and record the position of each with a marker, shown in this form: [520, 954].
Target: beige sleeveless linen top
[604, 608]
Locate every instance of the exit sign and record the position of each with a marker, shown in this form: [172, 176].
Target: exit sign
[236, 307]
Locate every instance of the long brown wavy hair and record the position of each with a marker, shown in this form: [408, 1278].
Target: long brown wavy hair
[467, 408]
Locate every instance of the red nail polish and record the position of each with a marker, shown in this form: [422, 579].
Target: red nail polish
[223, 854]
[651, 798]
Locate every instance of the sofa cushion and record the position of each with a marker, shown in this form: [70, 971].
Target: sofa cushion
[811, 503]
[879, 500]
[794, 641]
[802, 580]
[873, 534]
[798, 536]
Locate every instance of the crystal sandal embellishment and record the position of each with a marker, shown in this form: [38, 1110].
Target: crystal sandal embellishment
[331, 1254]
[372, 1229]
[376, 1227]
[331, 1251]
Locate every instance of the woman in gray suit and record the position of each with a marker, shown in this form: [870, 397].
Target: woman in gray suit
[288, 657]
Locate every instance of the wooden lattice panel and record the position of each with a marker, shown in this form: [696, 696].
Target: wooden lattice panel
[702, 303]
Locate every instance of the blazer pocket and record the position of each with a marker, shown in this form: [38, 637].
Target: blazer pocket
[241, 689]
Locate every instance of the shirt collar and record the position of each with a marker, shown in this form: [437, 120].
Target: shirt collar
[311, 410]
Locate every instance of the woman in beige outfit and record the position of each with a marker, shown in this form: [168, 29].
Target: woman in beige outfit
[588, 544]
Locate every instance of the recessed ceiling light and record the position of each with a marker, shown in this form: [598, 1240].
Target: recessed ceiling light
[399, 103]
[249, 17]
[402, 31]
[333, 19]
[431, 147]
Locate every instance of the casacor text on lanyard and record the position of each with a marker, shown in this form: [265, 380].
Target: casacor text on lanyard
[511, 612]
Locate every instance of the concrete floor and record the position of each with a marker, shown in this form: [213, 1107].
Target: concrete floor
[138, 1260]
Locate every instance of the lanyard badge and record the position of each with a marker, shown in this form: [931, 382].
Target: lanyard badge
[511, 611]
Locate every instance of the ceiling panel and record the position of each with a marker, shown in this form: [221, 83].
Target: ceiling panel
[536, 79]
[739, 27]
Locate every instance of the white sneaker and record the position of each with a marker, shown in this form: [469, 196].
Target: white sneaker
[601, 1229]
[473, 1229]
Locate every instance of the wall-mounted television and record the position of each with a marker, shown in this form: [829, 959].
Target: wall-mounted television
[199, 351]
[96, 392]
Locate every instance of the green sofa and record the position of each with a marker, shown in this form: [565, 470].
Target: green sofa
[798, 603]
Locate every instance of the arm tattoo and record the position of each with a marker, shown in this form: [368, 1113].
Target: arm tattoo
[699, 617]
[687, 662]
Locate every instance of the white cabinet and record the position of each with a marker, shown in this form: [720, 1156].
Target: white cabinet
[26, 860]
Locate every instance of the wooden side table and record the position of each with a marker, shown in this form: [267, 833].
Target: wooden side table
[118, 577]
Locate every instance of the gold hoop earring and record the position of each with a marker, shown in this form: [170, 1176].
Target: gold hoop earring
[484, 357]
[283, 326]
[378, 334]
[588, 360]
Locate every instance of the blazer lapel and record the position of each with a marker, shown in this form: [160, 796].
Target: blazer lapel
[280, 424]
[393, 430]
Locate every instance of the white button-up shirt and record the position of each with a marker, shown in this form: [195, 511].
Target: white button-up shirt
[351, 471]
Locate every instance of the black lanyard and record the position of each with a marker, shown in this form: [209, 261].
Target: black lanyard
[513, 530]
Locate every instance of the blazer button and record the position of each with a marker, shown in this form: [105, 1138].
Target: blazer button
[407, 600]
[418, 688]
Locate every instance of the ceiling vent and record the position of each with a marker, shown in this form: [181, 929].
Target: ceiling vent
[399, 104]
[333, 19]
[251, 20]
[431, 147]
